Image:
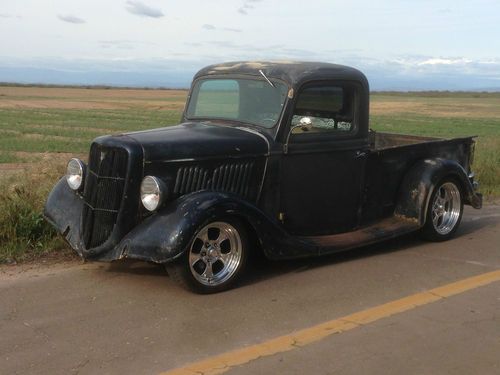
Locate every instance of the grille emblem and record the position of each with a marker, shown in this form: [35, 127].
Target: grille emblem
[103, 155]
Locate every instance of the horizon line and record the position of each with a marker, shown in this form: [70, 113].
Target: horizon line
[146, 87]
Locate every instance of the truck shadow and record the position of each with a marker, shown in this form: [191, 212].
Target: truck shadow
[269, 269]
[261, 269]
[137, 268]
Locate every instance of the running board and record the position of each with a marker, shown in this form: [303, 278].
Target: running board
[382, 230]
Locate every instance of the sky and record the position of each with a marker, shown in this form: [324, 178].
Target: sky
[399, 44]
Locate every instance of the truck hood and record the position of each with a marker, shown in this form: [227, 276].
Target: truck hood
[192, 140]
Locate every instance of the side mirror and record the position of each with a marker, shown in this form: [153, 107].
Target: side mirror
[305, 124]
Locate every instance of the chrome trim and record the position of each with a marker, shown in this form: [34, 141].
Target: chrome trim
[267, 158]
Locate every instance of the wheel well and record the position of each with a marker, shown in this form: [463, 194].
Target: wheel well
[461, 186]
[252, 233]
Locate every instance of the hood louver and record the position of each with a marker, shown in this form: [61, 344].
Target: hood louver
[230, 177]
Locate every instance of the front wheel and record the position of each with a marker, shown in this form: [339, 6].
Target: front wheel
[444, 211]
[215, 258]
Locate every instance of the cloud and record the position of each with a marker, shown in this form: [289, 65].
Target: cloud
[120, 44]
[140, 9]
[6, 15]
[123, 44]
[445, 11]
[215, 28]
[70, 18]
[441, 61]
[247, 5]
[231, 29]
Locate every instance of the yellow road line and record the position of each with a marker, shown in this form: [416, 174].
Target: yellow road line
[224, 362]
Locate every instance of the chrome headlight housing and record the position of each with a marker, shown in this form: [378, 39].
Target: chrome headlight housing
[152, 192]
[75, 173]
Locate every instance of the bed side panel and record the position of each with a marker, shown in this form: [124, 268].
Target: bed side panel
[386, 169]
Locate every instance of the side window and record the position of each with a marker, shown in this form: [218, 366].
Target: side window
[324, 108]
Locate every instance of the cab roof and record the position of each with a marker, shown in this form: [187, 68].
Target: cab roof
[293, 72]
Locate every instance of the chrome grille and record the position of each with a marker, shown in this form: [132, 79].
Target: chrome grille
[103, 193]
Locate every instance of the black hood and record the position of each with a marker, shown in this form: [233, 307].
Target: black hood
[199, 140]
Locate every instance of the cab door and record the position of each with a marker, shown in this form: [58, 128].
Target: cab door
[322, 168]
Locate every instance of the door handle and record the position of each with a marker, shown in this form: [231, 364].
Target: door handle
[360, 154]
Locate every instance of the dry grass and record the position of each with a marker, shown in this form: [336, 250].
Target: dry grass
[42, 127]
[24, 234]
[487, 106]
[92, 98]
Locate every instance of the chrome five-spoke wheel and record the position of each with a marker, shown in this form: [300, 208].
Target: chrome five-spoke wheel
[215, 253]
[215, 258]
[446, 208]
[444, 211]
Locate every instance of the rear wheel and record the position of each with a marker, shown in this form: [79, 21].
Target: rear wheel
[215, 259]
[444, 212]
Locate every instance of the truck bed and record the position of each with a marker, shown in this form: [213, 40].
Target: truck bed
[382, 141]
[391, 156]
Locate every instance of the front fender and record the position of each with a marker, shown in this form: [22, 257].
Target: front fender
[63, 210]
[420, 181]
[166, 235]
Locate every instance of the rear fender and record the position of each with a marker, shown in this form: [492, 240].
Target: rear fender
[420, 181]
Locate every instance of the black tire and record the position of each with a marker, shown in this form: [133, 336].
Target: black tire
[192, 274]
[444, 211]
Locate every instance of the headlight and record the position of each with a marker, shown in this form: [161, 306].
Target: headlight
[75, 173]
[152, 192]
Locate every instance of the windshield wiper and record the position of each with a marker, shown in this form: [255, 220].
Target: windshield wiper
[267, 79]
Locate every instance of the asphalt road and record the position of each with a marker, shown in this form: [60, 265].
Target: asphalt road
[130, 318]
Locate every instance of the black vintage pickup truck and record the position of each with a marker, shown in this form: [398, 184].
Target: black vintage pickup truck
[272, 157]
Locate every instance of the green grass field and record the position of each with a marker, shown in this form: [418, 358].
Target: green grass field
[448, 115]
[71, 130]
[41, 127]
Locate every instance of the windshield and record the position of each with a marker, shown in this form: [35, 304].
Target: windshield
[253, 101]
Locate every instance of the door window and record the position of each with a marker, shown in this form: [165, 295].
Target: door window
[324, 108]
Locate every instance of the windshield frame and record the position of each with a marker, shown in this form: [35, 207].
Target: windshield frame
[235, 122]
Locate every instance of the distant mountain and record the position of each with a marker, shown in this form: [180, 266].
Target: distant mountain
[108, 78]
[178, 74]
